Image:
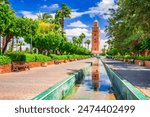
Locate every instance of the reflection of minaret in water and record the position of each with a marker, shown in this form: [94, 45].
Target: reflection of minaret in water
[96, 75]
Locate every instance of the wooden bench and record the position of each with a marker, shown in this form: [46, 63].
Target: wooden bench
[18, 66]
[57, 62]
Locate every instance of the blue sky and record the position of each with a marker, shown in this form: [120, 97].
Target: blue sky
[84, 12]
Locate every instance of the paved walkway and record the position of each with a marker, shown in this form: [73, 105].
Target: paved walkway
[137, 75]
[28, 84]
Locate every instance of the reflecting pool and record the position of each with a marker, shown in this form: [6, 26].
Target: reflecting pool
[94, 86]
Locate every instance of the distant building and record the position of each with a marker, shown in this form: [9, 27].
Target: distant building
[95, 38]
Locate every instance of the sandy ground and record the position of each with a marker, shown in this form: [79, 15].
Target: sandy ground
[27, 84]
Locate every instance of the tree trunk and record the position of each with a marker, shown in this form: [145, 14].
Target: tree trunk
[62, 23]
[12, 44]
[5, 43]
[39, 51]
[20, 48]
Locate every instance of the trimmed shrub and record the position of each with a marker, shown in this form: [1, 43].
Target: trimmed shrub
[4, 60]
[147, 58]
[118, 56]
[65, 57]
[41, 58]
[25, 57]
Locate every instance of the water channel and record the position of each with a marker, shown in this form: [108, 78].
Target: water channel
[94, 86]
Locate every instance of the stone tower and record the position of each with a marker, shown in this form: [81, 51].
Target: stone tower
[95, 38]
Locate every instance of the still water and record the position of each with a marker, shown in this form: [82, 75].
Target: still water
[95, 86]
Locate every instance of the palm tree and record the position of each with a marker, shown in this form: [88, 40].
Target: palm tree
[44, 16]
[81, 37]
[61, 14]
[88, 42]
[75, 40]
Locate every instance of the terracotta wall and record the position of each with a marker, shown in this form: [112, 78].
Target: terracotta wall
[147, 63]
[5, 68]
[136, 62]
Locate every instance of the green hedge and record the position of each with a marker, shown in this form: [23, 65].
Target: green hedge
[4, 60]
[25, 57]
[147, 58]
[134, 57]
[65, 57]
[118, 56]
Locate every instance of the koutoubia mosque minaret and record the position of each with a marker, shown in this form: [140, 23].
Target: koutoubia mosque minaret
[96, 38]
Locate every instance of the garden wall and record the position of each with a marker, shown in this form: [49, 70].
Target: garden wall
[5, 68]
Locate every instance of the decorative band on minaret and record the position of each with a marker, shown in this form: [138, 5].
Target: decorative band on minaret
[96, 38]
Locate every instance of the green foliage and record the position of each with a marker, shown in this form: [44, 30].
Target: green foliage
[129, 26]
[143, 58]
[118, 56]
[25, 57]
[66, 57]
[112, 51]
[41, 58]
[6, 18]
[4, 60]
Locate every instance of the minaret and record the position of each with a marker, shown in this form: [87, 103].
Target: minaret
[95, 38]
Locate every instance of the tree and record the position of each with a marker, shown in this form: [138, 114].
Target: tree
[6, 19]
[61, 14]
[47, 42]
[127, 32]
[44, 16]
[81, 37]
[12, 26]
[88, 43]
[75, 40]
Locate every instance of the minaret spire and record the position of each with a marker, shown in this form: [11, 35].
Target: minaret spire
[95, 38]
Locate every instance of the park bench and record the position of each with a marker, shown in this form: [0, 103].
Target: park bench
[57, 62]
[131, 61]
[18, 66]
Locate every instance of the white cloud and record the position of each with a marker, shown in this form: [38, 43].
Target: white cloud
[103, 42]
[103, 31]
[78, 24]
[51, 7]
[75, 14]
[100, 9]
[29, 14]
[77, 32]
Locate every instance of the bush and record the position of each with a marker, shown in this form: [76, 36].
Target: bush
[65, 57]
[25, 57]
[129, 57]
[41, 58]
[118, 56]
[147, 58]
[4, 60]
